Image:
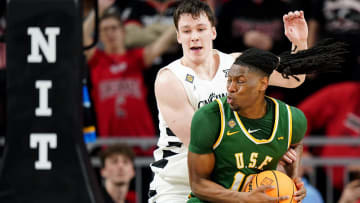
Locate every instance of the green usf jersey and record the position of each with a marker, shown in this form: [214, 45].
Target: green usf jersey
[244, 146]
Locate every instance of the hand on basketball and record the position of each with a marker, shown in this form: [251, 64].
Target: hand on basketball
[289, 157]
[301, 190]
[296, 29]
[259, 195]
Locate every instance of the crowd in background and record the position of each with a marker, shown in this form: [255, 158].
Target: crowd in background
[331, 102]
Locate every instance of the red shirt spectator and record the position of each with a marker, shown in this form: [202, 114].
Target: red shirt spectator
[336, 110]
[118, 91]
[119, 94]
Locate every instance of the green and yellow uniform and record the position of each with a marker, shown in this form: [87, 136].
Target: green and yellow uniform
[244, 146]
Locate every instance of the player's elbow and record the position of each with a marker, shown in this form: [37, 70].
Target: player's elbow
[196, 189]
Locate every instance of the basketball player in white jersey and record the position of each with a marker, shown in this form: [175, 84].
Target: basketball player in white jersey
[192, 81]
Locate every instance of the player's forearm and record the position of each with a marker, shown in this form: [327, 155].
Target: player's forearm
[88, 28]
[89, 25]
[158, 47]
[139, 36]
[210, 191]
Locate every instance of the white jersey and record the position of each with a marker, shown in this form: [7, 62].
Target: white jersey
[171, 155]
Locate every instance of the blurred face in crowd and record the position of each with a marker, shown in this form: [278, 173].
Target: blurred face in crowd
[244, 87]
[111, 33]
[196, 35]
[118, 169]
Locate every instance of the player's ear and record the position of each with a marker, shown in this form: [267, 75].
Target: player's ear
[178, 37]
[103, 172]
[264, 83]
[133, 172]
[213, 33]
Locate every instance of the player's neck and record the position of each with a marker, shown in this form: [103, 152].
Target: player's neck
[117, 192]
[205, 69]
[254, 111]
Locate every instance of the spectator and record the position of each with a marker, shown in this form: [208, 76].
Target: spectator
[250, 23]
[144, 21]
[119, 92]
[338, 19]
[117, 169]
[335, 111]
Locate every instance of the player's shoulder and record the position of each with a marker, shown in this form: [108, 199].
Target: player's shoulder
[164, 76]
[167, 83]
[295, 112]
[298, 115]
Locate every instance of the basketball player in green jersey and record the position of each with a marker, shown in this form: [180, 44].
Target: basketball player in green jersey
[247, 132]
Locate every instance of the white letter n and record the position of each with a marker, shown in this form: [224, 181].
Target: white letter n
[38, 42]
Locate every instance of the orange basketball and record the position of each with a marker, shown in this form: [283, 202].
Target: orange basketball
[284, 185]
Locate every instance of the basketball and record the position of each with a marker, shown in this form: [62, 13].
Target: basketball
[284, 185]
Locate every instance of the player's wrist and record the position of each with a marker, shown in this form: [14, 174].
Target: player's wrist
[243, 197]
[300, 45]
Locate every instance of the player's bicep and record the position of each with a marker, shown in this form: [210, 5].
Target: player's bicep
[200, 166]
[174, 105]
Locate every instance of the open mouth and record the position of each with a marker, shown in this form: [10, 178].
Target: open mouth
[229, 99]
[195, 48]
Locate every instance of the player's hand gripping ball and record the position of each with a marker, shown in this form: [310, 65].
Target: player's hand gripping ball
[283, 184]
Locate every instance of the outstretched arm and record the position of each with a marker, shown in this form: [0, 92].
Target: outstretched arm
[159, 46]
[296, 30]
[89, 24]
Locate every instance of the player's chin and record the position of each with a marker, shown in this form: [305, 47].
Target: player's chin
[234, 108]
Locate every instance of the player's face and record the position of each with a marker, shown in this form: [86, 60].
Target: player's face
[111, 33]
[244, 87]
[196, 36]
[118, 169]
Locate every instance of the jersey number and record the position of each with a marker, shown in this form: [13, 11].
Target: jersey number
[238, 179]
